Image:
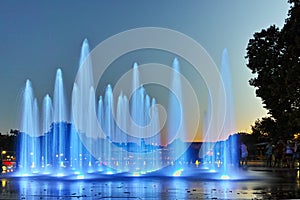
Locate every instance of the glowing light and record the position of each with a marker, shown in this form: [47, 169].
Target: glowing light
[91, 171]
[219, 163]
[178, 172]
[80, 176]
[225, 177]
[3, 182]
[77, 172]
[136, 174]
[197, 163]
[3, 152]
[296, 136]
[109, 172]
[60, 174]
[212, 170]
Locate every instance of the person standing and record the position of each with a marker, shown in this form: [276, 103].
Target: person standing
[288, 154]
[279, 154]
[296, 155]
[269, 152]
[244, 154]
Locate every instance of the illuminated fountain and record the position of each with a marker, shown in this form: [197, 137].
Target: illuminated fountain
[61, 147]
[221, 152]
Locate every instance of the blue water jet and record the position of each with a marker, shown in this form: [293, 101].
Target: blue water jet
[47, 121]
[60, 115]
[176, 125]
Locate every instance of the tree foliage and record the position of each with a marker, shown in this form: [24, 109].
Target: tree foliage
[264, 128]
[8, 141]
[274, 57]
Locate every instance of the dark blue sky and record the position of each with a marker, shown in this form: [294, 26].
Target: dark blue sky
[38, 37]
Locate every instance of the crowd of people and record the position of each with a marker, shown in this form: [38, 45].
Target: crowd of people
[282, 154]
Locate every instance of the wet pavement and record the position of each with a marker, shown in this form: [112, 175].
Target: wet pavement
[266, 183]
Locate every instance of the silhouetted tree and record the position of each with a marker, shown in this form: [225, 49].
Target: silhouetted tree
[8, 141]
[265, 128]
[14, 132]
[274, 57]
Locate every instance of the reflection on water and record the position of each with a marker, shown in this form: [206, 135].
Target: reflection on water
[3, 181]
[144, 188]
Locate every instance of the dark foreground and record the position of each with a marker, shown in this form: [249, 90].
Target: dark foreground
[263, 184]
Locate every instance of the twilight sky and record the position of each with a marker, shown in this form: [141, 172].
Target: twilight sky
[38, 37]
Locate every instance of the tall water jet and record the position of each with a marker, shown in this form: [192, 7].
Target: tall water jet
[36, 153]
[125, 137]
[47, 121]
[154, 141]
[60, 115]
[81, 99]
[100, 112]
[221, 150]
[120, 118]
[100, 141]
[135, 104]
[109, 126]
[139, 108]
[121, 135]
[76, 148]
[225, 72]
[230, 150]
[141, 121]
[91, 125]
[84, 83]
[176, 125]
[27, 144]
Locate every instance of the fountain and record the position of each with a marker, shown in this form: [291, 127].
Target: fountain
[221, 151]
[62, 148]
